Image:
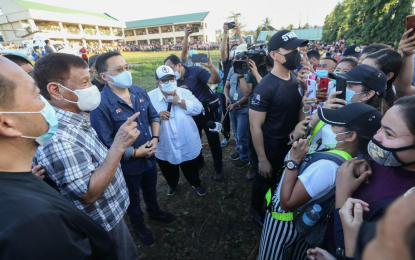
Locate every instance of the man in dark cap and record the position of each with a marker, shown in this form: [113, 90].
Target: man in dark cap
[97, 81]
[353, 51]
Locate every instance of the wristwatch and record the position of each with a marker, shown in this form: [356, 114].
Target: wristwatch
[155, 136]
[179, 101]
[291, 165]
[241, 76]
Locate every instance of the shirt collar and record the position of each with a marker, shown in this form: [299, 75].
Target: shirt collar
[112, 97]
[81, 119]
[160, 95]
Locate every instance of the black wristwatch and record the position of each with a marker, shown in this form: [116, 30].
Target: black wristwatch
[240, 77]
[155, 136]
[291, 165]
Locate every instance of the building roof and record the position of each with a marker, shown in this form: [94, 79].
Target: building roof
[56, 9]
[167, 20]
[309, 34]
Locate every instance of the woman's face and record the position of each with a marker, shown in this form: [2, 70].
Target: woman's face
[394, 133]
[343, 67]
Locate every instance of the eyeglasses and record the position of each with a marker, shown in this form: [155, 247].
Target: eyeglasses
[167, 80]
[120, 69]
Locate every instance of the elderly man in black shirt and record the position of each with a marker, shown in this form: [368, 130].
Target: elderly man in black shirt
[35, 221]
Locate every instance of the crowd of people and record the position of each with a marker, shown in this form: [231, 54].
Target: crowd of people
[327, 131]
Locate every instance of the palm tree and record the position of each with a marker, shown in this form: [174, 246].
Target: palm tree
[266, 23]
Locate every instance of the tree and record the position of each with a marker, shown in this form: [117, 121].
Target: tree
[219, 34]
[267, 23]
[282, 28]
[306, 26]
[315, 26]
[257, 32]
[290, 27]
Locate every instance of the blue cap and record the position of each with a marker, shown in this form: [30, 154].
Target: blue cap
[317, 208]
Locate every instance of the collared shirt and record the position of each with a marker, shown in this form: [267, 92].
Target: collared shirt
[112, 113]
[179, 136]
[196, 78]
[99, 85]
[70, 158]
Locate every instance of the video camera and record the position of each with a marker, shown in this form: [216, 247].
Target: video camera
[256, 52]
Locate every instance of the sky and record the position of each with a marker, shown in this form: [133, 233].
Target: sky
[252, 12]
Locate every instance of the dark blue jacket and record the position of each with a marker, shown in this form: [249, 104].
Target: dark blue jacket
[113, 111]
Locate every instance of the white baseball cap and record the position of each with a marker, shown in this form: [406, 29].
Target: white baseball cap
[163, 72]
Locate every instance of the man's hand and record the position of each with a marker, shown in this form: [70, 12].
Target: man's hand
[300, 129]
[351, 215]
[302, 76]
[225, 28]
[350, 176]
[253, 68]
[175, 98]
[333, 102]
[127, 134]
[407, 45]
[319, 254]
[307, 102]
[305, 61]
[39, 171]
[209, 64]
[228, 101]
[153, 143]
[265, 168]
[232, 107]
[164, 115]
[321, 94]
[184, 86]
[299, 150]
[143, 151]
[188, 31]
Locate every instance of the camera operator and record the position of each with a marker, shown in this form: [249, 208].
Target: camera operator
[273, 114]
[254, 76]
[226, 56]
[187, 53]
[195, 79]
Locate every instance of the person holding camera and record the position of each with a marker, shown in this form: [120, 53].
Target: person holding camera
[187, 53]
[226, 56]
[195, 79]
[176, 106]
[273, 114]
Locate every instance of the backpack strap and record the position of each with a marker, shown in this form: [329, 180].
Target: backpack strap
[337, 156]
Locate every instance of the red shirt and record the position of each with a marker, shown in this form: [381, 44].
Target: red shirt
[83, 51]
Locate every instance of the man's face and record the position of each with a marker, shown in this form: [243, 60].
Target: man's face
[327, 64]
[116, 66]
[175, 68]
[278, 55]
[193, 47]
[303, 49]
[343, 67]
[26, 99]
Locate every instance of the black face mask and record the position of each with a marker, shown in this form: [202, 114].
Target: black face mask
[292, 60]
[387, 156]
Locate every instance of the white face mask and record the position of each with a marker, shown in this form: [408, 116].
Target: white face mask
[88, 98]
[329, 137]
[169, 87]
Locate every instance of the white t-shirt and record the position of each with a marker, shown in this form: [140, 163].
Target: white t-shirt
[318, 179]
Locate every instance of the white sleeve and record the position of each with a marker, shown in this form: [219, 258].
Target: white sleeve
[319, 178]
[193, 105]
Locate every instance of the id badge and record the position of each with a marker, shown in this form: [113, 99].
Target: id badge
[235, 96]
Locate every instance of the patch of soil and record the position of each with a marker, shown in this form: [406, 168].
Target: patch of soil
[214, 227]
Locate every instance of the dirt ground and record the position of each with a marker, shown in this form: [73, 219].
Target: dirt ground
[214, 227]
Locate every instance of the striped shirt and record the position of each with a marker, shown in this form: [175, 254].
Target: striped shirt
[70, 158]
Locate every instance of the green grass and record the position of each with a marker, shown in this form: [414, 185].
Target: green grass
[146, 63]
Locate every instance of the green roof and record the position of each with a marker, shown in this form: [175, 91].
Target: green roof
[167, 20]
[57, 9]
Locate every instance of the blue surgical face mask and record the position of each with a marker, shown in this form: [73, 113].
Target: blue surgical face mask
[191, 52]
[178, 75]
[322, 73]
[123, 80]
[349, 95]
[50, 116]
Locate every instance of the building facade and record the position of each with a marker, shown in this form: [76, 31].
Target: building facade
[169, 29]
[21, 20]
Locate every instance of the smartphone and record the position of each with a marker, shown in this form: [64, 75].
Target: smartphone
[231, 25]
[312, 85]
[199, 57]
[312, 75]
[410, 23]
[341, 84]
[195, 28]
[324, 84]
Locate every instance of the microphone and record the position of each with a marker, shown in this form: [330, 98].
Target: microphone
[169, 101]
[215, 127]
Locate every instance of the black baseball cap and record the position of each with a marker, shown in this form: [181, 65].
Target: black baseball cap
[353, 50]
[369, 76]
[285, 39]
[361, 115]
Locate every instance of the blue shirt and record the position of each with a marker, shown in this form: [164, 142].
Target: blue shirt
[113, 111]
[196, 78]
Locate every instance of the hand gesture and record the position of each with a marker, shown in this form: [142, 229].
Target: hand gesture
[39, 171]
[351, 215]
[302, 76]
[253, 68]
[175, 98]
[300, 129]
[299, 150]
[321, 94]
[307, 102]
[209, 64]
[144, 150]
[164, 115]
[232, 107]
[350, 176]
[228, 101]
[333, 102]
[319, 254]
[127, 134]
[265, 168]
[407, 44]
[188, 31]
[305, 61]
[225, 28]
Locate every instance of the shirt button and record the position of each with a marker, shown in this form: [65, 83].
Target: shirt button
[140, 123]
[143, 109]
[145, 134]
